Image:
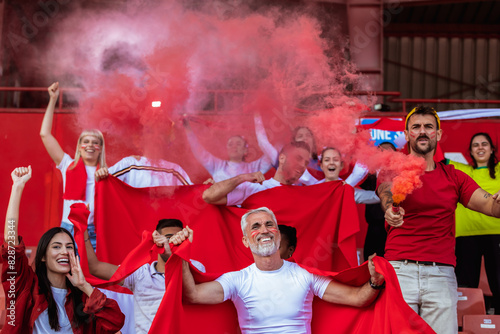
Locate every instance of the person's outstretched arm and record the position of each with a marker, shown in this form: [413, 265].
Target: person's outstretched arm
[99, 269]
[217, 193]
[361, 296]
[51, 145]
[20, 176]
[357, 175]
[210, 162]
[486, 203]
[204, 293]
[265, 146]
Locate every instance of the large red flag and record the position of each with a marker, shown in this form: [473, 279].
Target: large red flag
[326, 222]
[324, 215]
[388, 314]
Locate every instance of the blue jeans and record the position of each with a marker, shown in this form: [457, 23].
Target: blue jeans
[90, 230]
[431, 291]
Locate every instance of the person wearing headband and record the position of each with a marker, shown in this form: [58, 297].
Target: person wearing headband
[421, 240]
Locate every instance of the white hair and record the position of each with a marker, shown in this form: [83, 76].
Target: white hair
[261, 209]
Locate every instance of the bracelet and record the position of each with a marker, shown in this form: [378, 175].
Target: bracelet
[87, 239]
[376, 287]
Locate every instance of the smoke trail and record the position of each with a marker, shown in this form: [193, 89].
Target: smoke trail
[336, 127]
[268, 60]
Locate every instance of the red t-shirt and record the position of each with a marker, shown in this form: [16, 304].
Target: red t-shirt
[428, 231]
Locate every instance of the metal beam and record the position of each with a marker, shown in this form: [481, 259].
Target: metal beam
[402, 2]
[2, 12]
[425, 2]
[439, 29]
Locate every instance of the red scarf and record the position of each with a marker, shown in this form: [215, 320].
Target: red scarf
[76, 182]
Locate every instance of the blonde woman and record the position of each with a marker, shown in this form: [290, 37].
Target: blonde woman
[78, 173]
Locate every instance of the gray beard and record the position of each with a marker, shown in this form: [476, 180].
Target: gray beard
[266, 250]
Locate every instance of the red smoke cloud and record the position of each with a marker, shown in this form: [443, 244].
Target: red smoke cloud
[268, 61]
[198, 57]
[336, 128]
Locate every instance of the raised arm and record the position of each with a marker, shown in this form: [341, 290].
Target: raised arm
[105, 312]
[357, 175]
[208, 161]
[265, 146]
[51, 145]
[204, 293]
[20, 176]
[217, 193]
[99, 269]
[483, 202]
[364, 295]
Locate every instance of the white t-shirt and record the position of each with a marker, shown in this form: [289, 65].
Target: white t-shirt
[224, 169]
[144, 173]
[89, 191]
[278, 301]
[42, 322]
[244, 190]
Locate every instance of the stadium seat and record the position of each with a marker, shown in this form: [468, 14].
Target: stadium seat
[483, 281]
[2, 318]
[481, 324]
[470, 301]
[31, 253]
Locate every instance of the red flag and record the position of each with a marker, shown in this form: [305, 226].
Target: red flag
[388, 314]
[324, 215]
[315, 211]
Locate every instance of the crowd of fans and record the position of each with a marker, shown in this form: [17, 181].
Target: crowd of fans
[420, 236]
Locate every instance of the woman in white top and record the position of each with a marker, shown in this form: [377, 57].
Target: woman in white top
[78, 173]
[55, 296]
[332, 164]
[313, 172]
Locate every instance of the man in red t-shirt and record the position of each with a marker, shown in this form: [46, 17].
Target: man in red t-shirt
[421, 242]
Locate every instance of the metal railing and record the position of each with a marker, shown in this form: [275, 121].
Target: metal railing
[393, 97]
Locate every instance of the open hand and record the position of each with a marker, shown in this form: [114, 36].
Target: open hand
[76, 277]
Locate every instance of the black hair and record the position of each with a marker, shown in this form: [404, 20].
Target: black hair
[388, 143]
[423, 110]
[79, 317]
[492, 161]
[162, 223]
[291, 234]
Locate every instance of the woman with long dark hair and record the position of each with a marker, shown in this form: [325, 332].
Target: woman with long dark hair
[55, 298]
[478, 235]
